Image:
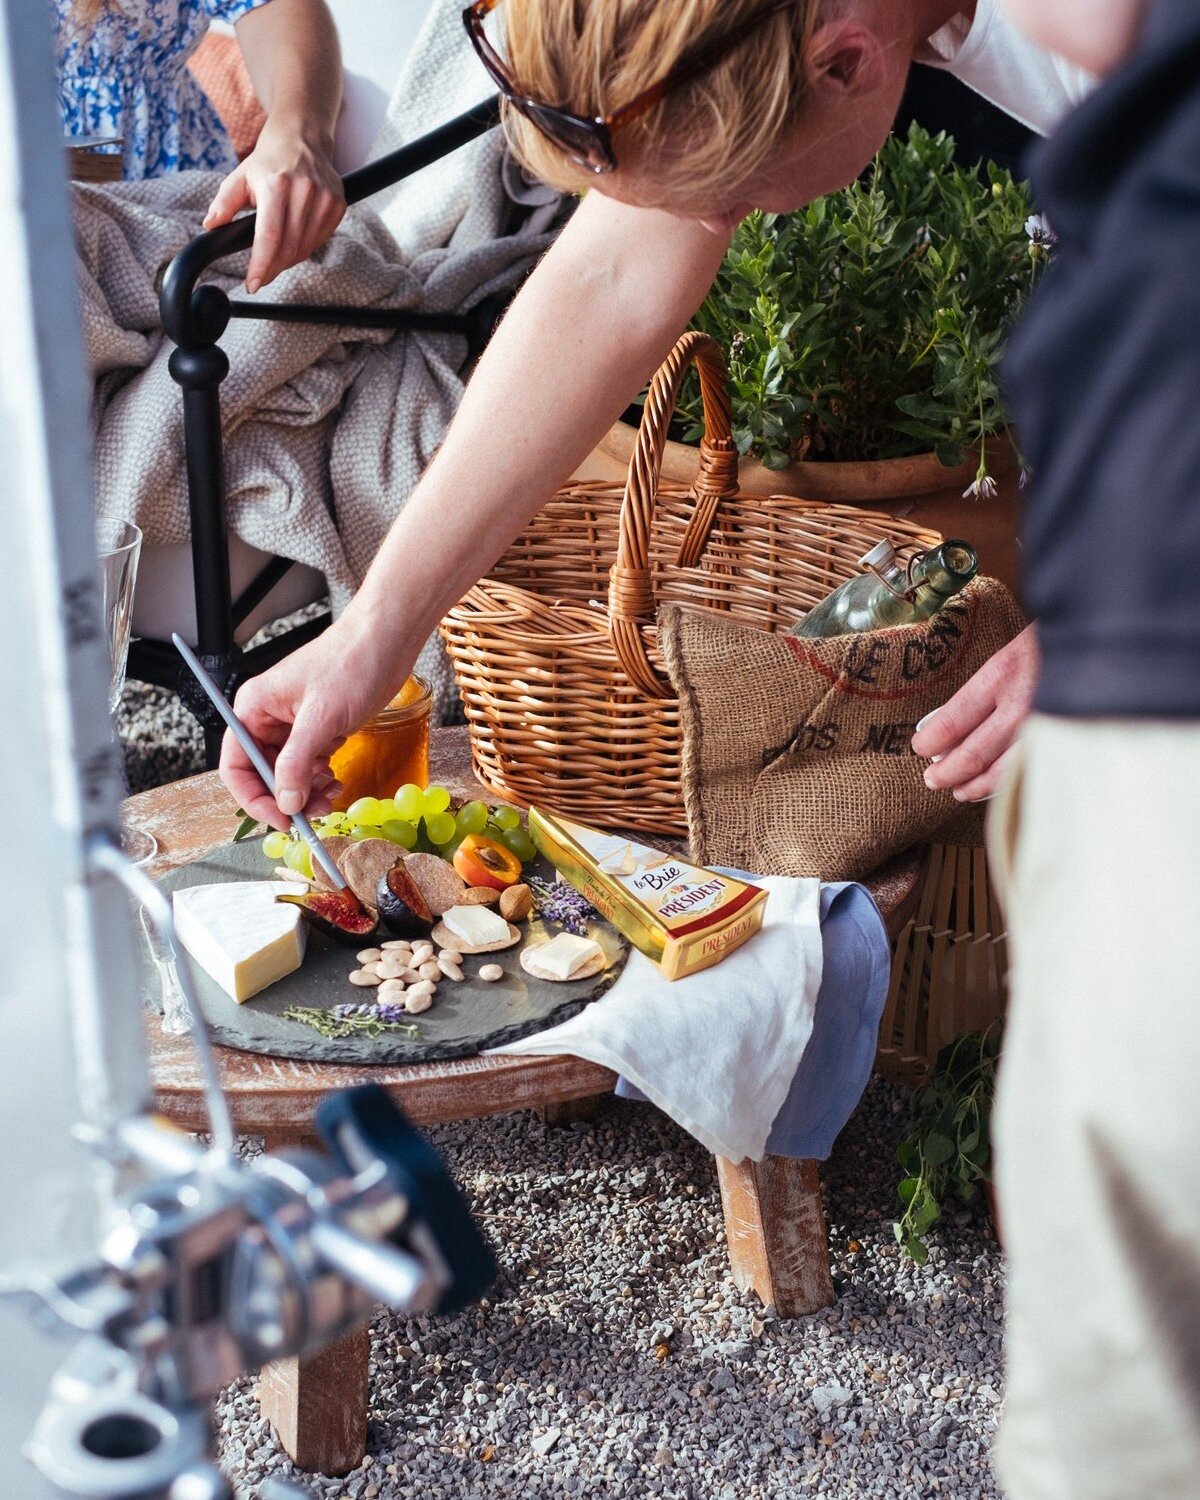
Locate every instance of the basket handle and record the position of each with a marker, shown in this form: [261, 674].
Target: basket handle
[631, 602]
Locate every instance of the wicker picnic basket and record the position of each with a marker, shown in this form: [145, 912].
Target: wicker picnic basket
[565, 697]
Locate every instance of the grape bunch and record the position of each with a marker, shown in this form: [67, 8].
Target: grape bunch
[416, 818]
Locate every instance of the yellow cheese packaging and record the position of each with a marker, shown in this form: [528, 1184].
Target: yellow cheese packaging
[682, 917]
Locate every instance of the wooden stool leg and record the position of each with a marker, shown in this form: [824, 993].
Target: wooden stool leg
[318, 1404]
[568, 1111]
[778, 1240]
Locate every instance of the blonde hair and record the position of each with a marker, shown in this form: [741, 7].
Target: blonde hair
[705, 138]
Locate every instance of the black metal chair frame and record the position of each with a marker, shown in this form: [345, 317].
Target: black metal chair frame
[194, 317]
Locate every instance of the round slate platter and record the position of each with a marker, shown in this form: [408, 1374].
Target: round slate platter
[466, 1018]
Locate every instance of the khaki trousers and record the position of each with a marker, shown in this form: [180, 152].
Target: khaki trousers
[1095, 841]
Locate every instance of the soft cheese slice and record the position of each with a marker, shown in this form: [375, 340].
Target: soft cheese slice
[622, 862]
[239, 934]
[563, 956]
[476, 925]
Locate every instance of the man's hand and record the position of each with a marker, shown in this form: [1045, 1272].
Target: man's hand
[968, 738]
[298, 196]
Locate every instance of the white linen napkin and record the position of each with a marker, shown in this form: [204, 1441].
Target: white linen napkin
[716, 1051]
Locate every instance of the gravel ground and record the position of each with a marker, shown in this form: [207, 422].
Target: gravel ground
[616, 1358]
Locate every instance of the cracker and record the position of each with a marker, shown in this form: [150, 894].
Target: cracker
[437, 880]
[593, 966]
[444, 938]
[365, 864]
[335, 846]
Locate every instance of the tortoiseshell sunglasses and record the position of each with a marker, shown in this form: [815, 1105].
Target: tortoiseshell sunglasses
[588, 142]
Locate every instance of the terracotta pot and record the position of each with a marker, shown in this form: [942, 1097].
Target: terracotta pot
[918, 488]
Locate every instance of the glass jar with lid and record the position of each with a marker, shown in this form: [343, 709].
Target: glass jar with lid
[389, 750]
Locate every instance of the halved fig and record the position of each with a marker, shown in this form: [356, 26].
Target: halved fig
[340, 915]
[403, 908]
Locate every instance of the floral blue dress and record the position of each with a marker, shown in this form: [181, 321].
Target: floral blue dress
[129, 77]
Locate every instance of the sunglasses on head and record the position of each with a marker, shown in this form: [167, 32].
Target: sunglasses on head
[588, 142]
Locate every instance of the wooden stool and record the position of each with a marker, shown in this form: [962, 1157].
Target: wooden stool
[774, 1218]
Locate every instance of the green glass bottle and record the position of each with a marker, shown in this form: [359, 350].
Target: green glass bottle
[890, 593]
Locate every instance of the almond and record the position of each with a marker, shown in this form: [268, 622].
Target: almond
[516, 903]
[479, 895]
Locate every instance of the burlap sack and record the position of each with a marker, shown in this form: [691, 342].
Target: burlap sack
[797, 758]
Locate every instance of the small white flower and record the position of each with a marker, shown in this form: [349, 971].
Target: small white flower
[982, 487]
[1037, 227]
[1025, 476]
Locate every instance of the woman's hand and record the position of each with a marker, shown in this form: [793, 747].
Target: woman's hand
[297, 193]
[295, 64]
[968, 738]
[300, 712]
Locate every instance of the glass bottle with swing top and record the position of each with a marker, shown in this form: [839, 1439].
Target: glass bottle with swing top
[891, 592]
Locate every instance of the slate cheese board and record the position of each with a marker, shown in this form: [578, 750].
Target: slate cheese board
[466, 1018]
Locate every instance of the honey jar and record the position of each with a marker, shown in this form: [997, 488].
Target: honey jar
[388, 751]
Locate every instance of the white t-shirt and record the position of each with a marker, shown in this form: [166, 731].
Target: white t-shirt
[991, 56]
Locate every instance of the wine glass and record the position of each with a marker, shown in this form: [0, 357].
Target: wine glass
[118, 547]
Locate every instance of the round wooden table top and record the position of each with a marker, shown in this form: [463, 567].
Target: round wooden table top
[276, 1097]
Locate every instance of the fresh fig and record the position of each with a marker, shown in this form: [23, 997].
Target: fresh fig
[403, 908]
[340, 915]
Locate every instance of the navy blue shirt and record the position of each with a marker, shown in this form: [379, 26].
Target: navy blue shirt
[1103, 378]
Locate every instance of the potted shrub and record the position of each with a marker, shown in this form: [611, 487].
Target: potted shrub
[863, 335]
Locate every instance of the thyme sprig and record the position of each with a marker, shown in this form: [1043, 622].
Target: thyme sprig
[367, 1022]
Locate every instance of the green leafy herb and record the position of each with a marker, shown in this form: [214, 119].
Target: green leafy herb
[330, 1025]
[947, 1151]
[246, 827]
[869, 324]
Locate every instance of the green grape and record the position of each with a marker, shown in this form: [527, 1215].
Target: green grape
[441, 827]
[297, 857]
[494, 832]
[448, 851]
[410, 802]
[293, 852]
[400, 832]
[275, 845]
[437, 799]
[388, 811]
[506, 817]
[472, 818]
[364, 831]
[519, 842]
[365, 810]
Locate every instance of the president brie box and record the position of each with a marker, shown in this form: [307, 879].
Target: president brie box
[684, 918]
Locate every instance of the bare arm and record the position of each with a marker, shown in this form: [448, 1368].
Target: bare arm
[1095, 34]
[593, 322]
[295, 63]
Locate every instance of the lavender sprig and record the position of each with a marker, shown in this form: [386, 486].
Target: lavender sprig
[560, 903]
[353, 1020]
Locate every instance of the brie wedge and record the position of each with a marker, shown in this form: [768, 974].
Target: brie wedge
[239, 934]
[563, 956]
[621, 862]
[478, 926]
